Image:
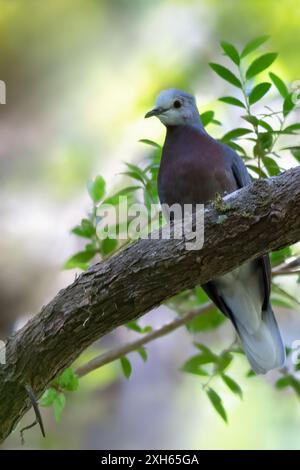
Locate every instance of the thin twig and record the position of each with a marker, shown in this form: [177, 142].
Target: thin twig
[117, 353]
[285, 272]
[287, 268]
[38, 418]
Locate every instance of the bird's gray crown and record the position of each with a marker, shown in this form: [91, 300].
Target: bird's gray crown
[166, 97]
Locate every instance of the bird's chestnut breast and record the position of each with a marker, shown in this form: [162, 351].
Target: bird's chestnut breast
[192, 169]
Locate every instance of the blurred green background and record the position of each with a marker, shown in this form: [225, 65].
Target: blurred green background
[80, 75]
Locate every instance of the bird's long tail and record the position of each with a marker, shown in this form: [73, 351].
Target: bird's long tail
[263, 347]
[242, 292]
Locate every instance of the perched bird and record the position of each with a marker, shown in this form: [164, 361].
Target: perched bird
[194, 168]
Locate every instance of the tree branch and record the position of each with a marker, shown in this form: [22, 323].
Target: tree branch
[258, 219]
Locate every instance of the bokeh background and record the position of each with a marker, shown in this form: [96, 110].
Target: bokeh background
[80, 75]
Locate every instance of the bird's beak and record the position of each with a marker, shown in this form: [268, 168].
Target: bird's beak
[154, 112]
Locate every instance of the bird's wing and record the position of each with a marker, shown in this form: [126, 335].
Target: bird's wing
[244, 296]
[242, 178]
[238, 168]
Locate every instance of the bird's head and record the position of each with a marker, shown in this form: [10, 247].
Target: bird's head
[175, 107]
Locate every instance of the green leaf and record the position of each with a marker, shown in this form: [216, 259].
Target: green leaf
[207, 117]
[126, 366]
[108, 245]
[147, 199]
[86, 229]
[288, 351]
[232, 385]
[147, 329]
[150, 142]
[288, 105]
[289, 381]
[136, 172]
[232, 100]
[258, 122]
[48, 397]
[68, 380]
[152, 167]
[217, 403]
[143, 353]
[280, 302]
[189, 368]
[114, 199]
[96, 188]
[235, 133]
[286, 296]
[226, 74]
[280, 85]
[250, 373]
[252, 119]
[200, 360]
[206, 321]
[80, 259]
[271, 165]
[59, 404]
[292, 128]
[253, 45]
[283, 382]
[279, 256]
[266, 140]
[231, 52]
[193, 365]
[206, 352]
[136, 169]
[257, 170]
[237, 148]
[224, 360]
[296, 153]
[134, 175]
[260, 64]
[133, 325]
[258, 92]
[265, 125]
[237, 350]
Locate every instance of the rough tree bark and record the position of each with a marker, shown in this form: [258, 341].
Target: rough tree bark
[259, 218]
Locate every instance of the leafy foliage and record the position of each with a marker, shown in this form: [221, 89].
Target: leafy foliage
[217, 403]
[126, 366]
[264, 133]
[232, 385]
[96, 188]
[55, 396]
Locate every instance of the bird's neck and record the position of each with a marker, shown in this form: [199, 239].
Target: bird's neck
[194, 123]
[181, 142]
[177, 130]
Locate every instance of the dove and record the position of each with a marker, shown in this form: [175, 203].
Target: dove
[195, 168]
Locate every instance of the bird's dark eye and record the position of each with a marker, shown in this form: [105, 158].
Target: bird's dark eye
[177, 104]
